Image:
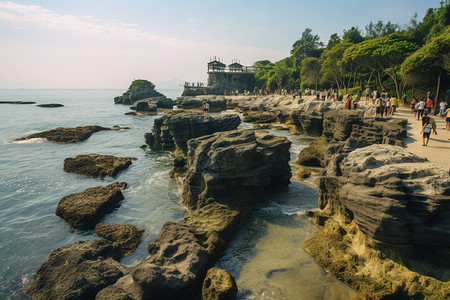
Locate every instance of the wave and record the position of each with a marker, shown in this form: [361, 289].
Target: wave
[30, 141]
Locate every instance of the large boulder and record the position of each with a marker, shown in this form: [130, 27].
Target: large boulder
[171, 132]
[97, 165]
[173, 270]
[85, 209]
[233, 163]
[126, 237]
[69, 135]
[76, 271]
[142, 89]
[394, 196]
[219, 285]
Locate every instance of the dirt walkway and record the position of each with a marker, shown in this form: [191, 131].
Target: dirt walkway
[438, 149]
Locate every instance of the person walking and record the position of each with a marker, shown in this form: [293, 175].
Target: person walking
[428, 125]
[446, 114]
[442, 107]
[429, 105]
[420, 109]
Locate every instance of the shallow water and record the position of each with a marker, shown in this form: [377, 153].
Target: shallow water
[266, 257]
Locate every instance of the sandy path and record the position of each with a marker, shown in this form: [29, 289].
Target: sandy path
[438, 149]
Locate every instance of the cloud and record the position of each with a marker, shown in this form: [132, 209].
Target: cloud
[86, 25]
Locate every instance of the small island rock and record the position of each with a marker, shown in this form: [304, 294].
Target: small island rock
[85, 209]
[96, 165]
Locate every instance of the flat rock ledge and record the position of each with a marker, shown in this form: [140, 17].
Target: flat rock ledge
[76, 271]
[50, 105]
[97, 165]
[85, 209]
[69, 135]
[126, 237]
[171, 132]
[248, 163]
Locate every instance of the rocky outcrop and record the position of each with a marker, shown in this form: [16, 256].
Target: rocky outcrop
[228, 174]
[97, 165]
[144, 90]
[230, 163]
[85, 209]
[415, 202]
[76, 271]
[69, 135]
[219, 285]
[125, 237]
[171, 132]
[143, 106]
[314, 154]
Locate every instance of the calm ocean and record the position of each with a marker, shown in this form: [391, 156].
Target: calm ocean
[32, 182]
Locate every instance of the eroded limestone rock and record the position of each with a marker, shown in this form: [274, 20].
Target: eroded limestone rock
[172, 132]
[126, 237]
[76, 271]
[97, 165]
[219, 285]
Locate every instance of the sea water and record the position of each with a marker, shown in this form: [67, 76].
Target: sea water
[32, 182]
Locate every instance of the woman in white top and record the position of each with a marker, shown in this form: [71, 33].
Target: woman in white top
[420, 109]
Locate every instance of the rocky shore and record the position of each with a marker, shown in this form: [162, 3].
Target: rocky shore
[382, 213]
[143, 97]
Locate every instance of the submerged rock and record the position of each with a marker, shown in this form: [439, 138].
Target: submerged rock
[126, 237]
[17, 102]
[97, 165]
[85, 209]
[69, 135]
[76, 271]
[50, 105]
[171, 132]
[219, 285]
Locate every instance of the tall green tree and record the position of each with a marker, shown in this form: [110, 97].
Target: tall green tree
[310, 71]
[307, 46]
[334, 69]
[334, 40]
[383, 56]
[432, 59]
[380, 29]
[353, 35]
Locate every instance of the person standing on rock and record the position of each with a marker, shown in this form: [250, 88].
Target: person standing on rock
[428, 124]
[206, 108]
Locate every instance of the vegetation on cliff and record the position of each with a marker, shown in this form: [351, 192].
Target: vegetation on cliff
[413, 59]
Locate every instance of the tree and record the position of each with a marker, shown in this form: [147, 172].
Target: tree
[263, 63]
[383, 56]
[334, 69]
[334, 40]
[380, 29]
[310, 71]
[353, 35]
[432, 59]
[307, 46]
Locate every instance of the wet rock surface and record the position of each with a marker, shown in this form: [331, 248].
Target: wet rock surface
[85, 209]
[69, 135]
[171, 132]
[76, 271]
[126, 237]
[97, 165]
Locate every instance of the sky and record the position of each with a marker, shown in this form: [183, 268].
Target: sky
[108, 43]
